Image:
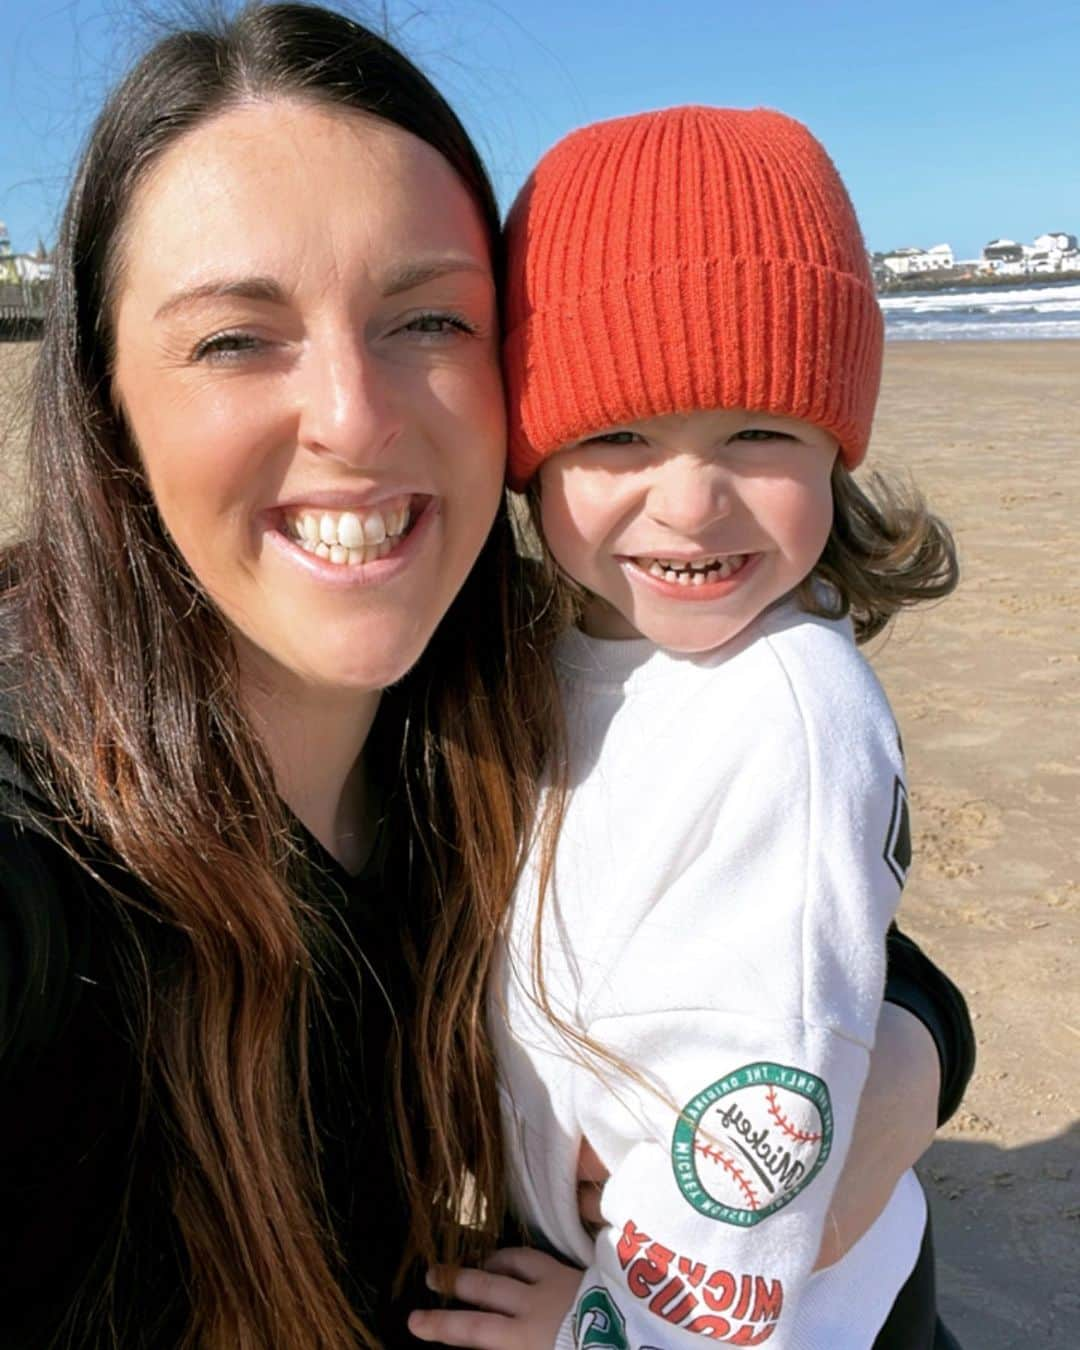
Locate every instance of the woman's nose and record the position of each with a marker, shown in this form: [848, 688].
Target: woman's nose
[690, 493]
[349, 408]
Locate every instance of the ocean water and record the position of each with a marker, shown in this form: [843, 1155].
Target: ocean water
[1031, 310]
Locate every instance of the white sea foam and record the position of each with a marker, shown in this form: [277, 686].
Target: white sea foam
[995, 299]
[1016, 330]
[1021, 312]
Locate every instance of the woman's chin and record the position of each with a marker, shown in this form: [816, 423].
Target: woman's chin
[334, 669]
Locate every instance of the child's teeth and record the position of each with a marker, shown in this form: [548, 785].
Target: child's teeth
[694, 573]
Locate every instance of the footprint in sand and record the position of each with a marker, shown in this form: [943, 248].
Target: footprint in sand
[950, 827]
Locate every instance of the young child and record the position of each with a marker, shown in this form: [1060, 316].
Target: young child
[691, 988]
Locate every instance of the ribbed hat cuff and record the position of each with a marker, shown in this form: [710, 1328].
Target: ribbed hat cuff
[771, 335]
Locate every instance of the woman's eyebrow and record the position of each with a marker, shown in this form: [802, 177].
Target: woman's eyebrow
[412, 274]
[399, 279]
[243, 288]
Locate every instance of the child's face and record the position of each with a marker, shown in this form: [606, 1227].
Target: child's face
[686, 527]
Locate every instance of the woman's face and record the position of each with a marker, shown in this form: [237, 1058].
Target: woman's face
[306, 356]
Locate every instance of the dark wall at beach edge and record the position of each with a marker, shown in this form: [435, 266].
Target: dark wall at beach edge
[950, 281]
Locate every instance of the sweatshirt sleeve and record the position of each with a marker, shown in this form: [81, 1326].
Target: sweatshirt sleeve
[737, 1022]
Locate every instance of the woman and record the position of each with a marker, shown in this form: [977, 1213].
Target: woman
[274, 307]
[275, 702]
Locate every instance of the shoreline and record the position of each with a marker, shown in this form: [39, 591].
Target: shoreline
[978, 342]
[933, 284]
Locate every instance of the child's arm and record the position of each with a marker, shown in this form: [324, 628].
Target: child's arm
[894, 1126]
[916, 984]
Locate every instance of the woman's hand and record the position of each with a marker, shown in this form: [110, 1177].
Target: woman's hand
[896, 1121]
[518, 1301]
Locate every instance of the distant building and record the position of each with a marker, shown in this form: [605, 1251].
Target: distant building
[29, 267]
[902, 262]
[1058, 241]
[1003, 251]
[17, 267]
[1055, 252]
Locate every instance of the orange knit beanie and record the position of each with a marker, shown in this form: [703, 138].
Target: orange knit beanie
[688, 259]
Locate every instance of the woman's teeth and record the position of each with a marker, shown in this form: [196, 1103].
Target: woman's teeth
[348, 537]
[699, 573]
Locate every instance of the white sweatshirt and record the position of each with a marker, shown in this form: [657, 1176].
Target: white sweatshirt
[733, 850]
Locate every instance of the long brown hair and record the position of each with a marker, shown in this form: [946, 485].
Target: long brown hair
[143, 747]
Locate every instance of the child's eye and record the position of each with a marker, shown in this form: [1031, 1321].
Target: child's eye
[229, 346]
[762, 434]
[613, 438]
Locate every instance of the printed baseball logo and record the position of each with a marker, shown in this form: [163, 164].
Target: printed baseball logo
[749, 1143]
[598, 1324]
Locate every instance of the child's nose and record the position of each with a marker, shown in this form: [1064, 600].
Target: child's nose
[690, 494]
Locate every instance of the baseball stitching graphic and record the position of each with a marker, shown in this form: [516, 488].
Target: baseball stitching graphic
[730, 1165]
[798, 1135]
[750, 1142]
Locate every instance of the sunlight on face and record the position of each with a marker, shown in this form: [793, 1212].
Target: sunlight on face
[306, 356]
[686, 527]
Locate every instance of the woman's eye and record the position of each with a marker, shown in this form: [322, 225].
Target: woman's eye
[226, 347]
[439, 324]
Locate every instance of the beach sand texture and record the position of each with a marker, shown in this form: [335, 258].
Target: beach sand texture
[987, 690]
[986, 687]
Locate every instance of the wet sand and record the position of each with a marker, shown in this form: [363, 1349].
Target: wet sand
[987, 690]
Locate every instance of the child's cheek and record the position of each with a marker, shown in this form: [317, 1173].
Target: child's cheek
[571, 515]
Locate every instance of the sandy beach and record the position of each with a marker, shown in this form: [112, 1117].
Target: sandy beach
[987, 690]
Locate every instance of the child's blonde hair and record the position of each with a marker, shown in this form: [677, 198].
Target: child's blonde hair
[886, 551]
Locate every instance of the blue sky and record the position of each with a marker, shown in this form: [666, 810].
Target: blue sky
[952, 123]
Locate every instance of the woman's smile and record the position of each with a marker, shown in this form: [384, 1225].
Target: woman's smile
[362, 547]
